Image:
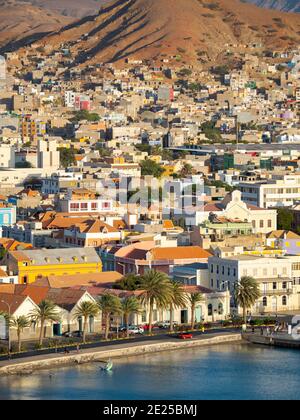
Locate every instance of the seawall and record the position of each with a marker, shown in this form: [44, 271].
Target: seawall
[23, 366]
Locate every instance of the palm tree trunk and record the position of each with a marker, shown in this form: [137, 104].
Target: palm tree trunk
[244, 315]
[127, 324]
[150, 318]
[19, 340]
[107, 327]
[171, 319]
[193, 317]
[84, 329]
[41, 333]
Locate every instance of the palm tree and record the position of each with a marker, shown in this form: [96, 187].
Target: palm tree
[178, 299]
[156, 289]
[194, 299]
[86, 310]
[20, 323]
[129, 305]
[246, 294]
[46, 311]
[109, 305]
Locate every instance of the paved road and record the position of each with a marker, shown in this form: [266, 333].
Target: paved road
[40, 354]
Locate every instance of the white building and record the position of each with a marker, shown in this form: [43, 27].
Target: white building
[48, 155]
[70, 99]
[233, 207]
[280, 191]
[7, 156]
[274, 276]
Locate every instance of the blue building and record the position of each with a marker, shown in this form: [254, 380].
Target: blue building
[7, 215]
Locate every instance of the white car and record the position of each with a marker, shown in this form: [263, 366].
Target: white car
[133, 329]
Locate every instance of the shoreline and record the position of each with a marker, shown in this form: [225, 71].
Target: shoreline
[115, 351]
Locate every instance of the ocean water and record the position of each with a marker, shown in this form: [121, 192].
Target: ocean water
[235, 372]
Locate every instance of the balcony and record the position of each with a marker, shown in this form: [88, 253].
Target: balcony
[281, 292]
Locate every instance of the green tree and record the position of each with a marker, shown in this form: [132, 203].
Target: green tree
[178, 299]
[46, 311]
[149, 167]
[86, 310]
[186, 170]
[194, 299]
[129, 306]
[130, 282]
[67, 156]
[109, 305]
[284, 219]
[86, 116]
[156, 290]
[246, 294]
[20, 323]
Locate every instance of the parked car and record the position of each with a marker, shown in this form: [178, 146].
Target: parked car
[133, 329]
[74, 334]
[165, 325]
[154, 327]
[185, 336]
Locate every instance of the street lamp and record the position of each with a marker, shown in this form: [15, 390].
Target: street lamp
[8, 338]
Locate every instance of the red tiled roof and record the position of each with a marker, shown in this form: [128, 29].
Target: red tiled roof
[14, 300]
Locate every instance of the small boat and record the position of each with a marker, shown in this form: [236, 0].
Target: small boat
[108, 367]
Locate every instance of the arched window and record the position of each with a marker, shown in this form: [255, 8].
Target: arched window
[210, 309]
[284, 300]
[265, 301]
[220, 309]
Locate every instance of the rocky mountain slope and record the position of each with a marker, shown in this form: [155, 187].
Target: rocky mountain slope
[183, 28]
[22, 20]
[73, 8]
[284, 5]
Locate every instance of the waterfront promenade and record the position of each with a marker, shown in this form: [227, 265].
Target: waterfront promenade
[27, 365]
[275, 339]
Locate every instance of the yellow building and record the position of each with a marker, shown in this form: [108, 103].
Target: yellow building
[169, 170]
[31, 265]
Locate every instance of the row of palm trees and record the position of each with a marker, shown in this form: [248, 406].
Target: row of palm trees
[156, 290]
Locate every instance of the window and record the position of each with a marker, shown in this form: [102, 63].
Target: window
[284, 300]
[261, 224]
[84, 206]
[74, 207]
[210, 309]
[220, 309]
[265, 301]
[94, 206]
[269, 223]
[274, 286]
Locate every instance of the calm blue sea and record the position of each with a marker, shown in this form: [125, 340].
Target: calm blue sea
[219, 372]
